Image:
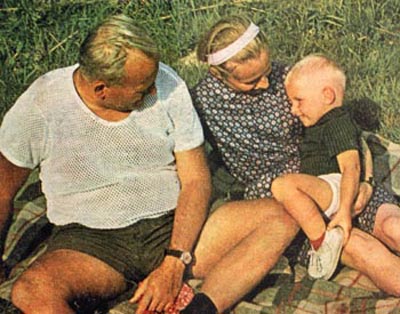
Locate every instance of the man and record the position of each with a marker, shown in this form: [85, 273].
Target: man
[119, 147]
[118, 144]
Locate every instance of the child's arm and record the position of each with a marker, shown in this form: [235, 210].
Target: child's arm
[366, 189]
[349, 164]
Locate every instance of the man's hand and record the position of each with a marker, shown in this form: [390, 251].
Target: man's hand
[363, 197]
[159, 290]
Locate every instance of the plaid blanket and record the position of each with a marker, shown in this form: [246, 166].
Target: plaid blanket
[292, 291]
[284, 290]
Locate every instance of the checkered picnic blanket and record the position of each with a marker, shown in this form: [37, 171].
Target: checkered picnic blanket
[291, 291]
[284, 290]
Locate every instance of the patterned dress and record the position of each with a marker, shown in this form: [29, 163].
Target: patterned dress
[258, 140]
[256, 134]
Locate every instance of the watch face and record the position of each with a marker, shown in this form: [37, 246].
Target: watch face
[186, 258]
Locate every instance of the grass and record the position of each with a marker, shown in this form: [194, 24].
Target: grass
[363, 35]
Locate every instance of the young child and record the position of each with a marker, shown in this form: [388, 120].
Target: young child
[330, 161]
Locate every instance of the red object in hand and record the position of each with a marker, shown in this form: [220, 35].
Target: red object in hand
[182, 300]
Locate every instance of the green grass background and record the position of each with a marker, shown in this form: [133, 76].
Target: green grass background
[363, 35]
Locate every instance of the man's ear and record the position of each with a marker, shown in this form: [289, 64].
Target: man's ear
[99, 89]
[329, 95]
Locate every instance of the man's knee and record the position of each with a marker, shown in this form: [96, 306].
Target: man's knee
[36, 292]
[278, 218]
[26, 287]
[280, 226]
[282, 186]
[20, 293]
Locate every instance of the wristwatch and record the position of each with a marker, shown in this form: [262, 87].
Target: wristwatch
[184, 256]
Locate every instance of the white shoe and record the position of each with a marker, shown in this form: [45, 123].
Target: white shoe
[323, 262]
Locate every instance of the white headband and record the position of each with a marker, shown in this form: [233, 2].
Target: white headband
[228, 52]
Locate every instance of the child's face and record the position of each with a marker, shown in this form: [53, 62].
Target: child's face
[251, 75]
[307, 99]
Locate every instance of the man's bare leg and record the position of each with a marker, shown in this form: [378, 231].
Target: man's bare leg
[368, 255]
[59, 276]
[239, 245]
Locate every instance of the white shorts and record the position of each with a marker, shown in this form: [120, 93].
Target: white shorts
[333, 180]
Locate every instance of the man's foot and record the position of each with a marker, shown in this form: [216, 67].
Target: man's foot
[323, 262]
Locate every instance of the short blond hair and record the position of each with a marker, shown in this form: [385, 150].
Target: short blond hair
[328, 69]
[225, 32]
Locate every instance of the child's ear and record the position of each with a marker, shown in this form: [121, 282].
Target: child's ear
[329, 95]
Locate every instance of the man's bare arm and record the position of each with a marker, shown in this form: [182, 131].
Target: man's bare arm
[161, 287]
[11, 179]
[193, 200]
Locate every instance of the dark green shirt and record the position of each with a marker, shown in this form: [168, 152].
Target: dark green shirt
[333, 134]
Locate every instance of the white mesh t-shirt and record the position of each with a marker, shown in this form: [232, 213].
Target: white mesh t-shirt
[94, 172]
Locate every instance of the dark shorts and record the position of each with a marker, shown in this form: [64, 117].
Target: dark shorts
[365, 222]
[134, 251]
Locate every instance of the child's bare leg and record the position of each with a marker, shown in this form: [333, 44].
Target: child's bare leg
[301, 196]
[387, 224]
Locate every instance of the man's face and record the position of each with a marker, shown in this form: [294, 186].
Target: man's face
[139, 81]
[307, 99]
[251, 75]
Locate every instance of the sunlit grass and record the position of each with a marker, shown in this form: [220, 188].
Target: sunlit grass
[363, 35]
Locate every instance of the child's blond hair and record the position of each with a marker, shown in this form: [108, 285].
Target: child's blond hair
[322, 66]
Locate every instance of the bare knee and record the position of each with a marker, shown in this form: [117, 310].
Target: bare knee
[27, 289]
[391, 231]
[282, 186]
[276, 218]
[278, 187]
[35, 292]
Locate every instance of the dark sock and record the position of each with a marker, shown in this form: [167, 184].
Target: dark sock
[201, 304]
[317, 242]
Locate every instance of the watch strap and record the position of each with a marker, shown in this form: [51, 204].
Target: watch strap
[187, 258]
[172, 252]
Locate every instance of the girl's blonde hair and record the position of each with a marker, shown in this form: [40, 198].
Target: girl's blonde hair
[225, 32]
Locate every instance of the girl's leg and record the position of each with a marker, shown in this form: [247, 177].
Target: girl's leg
[387, 224]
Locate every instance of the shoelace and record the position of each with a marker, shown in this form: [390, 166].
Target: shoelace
[315, 260]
